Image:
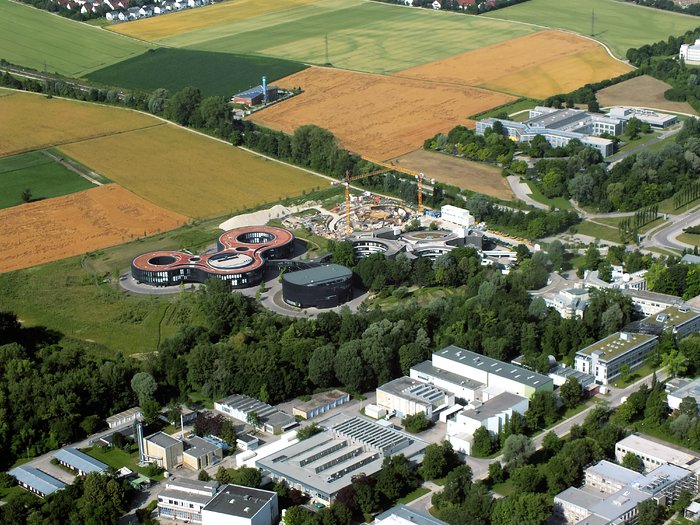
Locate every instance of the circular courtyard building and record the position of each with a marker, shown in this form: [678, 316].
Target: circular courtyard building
[240, 259]
[321, 287]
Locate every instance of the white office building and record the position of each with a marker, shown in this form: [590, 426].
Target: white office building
[237, 505]
[690, 53]
[458, 216]
[406, 397]
[184, 499]
[655, 453]
[604, 359]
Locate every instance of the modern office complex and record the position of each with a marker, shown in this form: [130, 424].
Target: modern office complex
[458, 216]
[611, 493]
[679, 320]
[240, 259]
[325, 463]
[320, 287]
[604, 359]
[559, 127]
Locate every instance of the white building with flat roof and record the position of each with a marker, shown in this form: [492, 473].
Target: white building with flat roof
[691, 389]
[604, 359]
[183, 499]
[690, 53]
[406, 397]
[648, 116]
[655, 453]
[237, 505]
[456, 215]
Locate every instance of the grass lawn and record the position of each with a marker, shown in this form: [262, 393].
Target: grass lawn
[641, 139]
[36, 38]
[690, 238]
[504, 489]
[420, 491]
[65, 297]
[117, 458]
[510, 108]
[40, 174]
[667, 206]
[220, 74]
[614, 222]
[6, 494]
[419, 295]
[361, 35]
[635, 376]
[557, 202]
[571, 412]
[618, 24]
[599, 231]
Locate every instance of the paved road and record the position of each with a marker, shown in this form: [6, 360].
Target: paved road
[618, 157]
[522, 192]
[666, 236]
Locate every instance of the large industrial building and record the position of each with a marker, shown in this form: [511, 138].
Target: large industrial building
[559, 127]
[240, 259]
[325, 463]
[319, 287]
[473, 376]
[604, 359]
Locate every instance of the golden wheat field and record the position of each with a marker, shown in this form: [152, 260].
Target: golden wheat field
[52, 229]
[30, 121]
[538, 65]
[190, 173]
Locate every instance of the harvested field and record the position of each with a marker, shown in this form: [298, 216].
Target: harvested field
[644, 91]
[156, 28]
[30, 121]
[361, 35]
[61, 227]
[377, 116]
[36, 38]
[190, 173]
[465, 174]
[538, 65]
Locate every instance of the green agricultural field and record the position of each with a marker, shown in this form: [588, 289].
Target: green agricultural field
[213, 73]
[35, 38]
[620, 25]
[363, 36]
[40, 174]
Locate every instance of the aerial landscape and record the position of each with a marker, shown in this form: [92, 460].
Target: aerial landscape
[386, 262]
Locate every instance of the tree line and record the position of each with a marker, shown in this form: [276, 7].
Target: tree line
[670, 5]
[478, 7]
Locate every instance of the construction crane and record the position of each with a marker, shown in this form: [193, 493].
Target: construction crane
[347, 180]
[419, 178]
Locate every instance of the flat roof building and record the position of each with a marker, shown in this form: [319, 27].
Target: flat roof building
[78, 461]
[406, 397]
[237, 505]
[36, 481]
[324, 286]
[655, 453]
[604, 359]
[460, 386]
[690, 53]
[403, 515]
[650, 303]
[124, 418]
[200, 453]
[271, 420]
[491, 372]
[325, 463]
[688, 389]
[183, 499]
[163, 449]
[679, 320]
[320, 404]
[654, 119]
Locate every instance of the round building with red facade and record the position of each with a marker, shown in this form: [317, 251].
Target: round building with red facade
[240, 259]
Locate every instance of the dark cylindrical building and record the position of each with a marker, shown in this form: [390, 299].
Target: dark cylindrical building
[322, 287]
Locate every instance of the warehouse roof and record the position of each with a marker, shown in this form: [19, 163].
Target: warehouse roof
[427, 367]
[162, 440]
[79, 460]
[617, 344]
[255, 91]
[37, 479]
[493, 407]
[493, 366]
[412, 389]
[578, 497]
[235, 500]
[318, 276]
[126, 414]
[321, 399]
